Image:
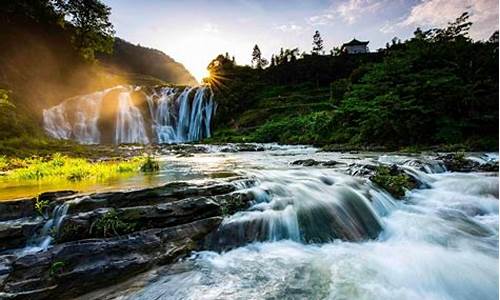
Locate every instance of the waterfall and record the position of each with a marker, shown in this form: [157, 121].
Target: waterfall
[183, 126]
[81, 124]
[129, 123]
[134, 115]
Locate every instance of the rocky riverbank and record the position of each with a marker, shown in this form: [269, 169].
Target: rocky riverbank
[64, 244]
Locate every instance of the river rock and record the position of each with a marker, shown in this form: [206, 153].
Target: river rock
[80, 226]
[243, 147]
[104, 238]
[459, 163]
[15, 233]
[16, 209]
[311, 162]
[167, 193]
[73, 268]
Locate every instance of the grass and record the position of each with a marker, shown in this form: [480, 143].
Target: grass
[58, 166]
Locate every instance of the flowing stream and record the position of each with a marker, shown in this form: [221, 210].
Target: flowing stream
[320, 233]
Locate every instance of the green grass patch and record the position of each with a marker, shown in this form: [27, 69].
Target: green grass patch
[61, 167]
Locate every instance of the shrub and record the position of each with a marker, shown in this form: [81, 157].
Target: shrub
[150, 165]
[110, 224]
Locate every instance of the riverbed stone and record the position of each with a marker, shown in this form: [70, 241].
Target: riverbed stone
[17, 208]
[73, 268]
[145, 227]
[15, 233]
[83, 225]
[457, 162]
[312, 162]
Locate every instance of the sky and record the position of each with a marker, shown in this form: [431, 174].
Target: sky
[193, 32]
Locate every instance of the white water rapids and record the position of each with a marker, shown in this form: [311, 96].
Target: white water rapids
[312, 234]
[133, 115]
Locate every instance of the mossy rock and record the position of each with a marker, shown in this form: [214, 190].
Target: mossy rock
[393, 180]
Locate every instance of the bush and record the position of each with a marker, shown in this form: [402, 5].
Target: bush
[150, 165]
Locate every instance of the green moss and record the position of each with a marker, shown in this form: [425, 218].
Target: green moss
[393, 181]
[231, 205]
[56, 268]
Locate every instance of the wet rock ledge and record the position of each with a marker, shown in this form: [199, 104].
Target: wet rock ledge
[104, 238]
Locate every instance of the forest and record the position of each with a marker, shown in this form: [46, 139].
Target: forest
[438, 88]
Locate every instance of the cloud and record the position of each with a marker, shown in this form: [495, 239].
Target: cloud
[429, 13]
[321, 19]
[348, 11]
[352, 10]
[388, 27]
[210, 28]
[289, 28]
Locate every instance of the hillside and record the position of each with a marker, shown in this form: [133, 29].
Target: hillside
[439, 88]
[130, 58]
[40, 65]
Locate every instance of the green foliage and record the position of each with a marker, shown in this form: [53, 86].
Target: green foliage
[257, 60]
[40, 206]
[393, 181]
[93, 32]
[87, 21]
[438, 88]
[4, 99]
[57, 268]
[110, 225]
[4, 163]
[150, 165]
[317, 43]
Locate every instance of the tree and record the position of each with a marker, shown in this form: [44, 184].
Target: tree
[93, 32]
[335, 51]
[258, 61]
[317, 43]
[273, 61]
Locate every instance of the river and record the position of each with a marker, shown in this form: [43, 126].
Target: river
[312, 232]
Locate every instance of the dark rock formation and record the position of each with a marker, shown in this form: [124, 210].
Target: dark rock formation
[243, 147]
[74, 268]
[311, 162]
[457, 162]
[105, 238]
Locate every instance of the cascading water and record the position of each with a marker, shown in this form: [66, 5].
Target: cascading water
[43, 240]
[318, 233]
[129, 122]
[125, 114]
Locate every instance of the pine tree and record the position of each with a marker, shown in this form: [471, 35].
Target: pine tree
[317, 43]
[258, 61]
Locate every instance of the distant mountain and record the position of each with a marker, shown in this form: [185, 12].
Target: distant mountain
[142, 60]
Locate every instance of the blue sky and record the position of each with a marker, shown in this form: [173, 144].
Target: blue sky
[195, 31]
